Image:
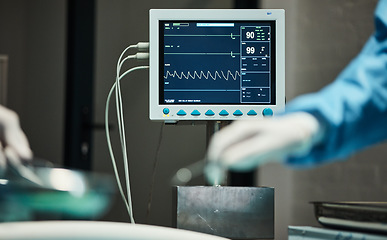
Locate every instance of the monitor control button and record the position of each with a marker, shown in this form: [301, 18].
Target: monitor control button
[238, 113]
[166, 111]
[223, 113]
[210, 113]
[252, 113]
[181, 113]
[195, 113]
[267, 112]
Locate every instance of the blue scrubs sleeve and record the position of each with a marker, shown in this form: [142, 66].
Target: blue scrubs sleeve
[353, 109]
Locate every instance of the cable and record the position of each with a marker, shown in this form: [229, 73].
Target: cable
[120, 114]
[121, 123]
[154, 172]
[141, 46]
[128, 203]
[111, 150]
[121, 129]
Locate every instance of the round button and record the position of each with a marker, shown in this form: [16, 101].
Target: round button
[267, 112]
[166, 111]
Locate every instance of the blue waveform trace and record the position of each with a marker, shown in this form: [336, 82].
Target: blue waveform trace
[202, 74]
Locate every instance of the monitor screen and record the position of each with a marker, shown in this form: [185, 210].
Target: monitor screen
[213, 65]
[217, 62]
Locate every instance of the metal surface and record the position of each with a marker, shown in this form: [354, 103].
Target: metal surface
[359, 216]
[313, 233]
[232, 212]
[60, 193]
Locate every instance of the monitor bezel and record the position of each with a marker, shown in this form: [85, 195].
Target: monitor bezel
[157, 15]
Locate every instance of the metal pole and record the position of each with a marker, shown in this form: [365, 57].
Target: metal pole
[79, 85]
[3, 79]
[244, 178]
[240, 179]
[246, 4]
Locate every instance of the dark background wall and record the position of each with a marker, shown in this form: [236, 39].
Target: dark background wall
[32, 34]
[321, 38]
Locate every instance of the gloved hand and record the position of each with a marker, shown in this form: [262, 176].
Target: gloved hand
[246, 144]
[13, 141]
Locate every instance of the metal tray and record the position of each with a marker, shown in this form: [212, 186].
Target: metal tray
[59, 194]
[360, 216]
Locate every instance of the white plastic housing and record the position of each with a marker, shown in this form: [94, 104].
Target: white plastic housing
[157, 15]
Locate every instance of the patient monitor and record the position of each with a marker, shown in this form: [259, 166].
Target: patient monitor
[216, 64]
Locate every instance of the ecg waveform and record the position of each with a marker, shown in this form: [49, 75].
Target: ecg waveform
[205, 75]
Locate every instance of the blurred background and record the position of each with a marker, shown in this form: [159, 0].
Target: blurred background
[60, 96]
